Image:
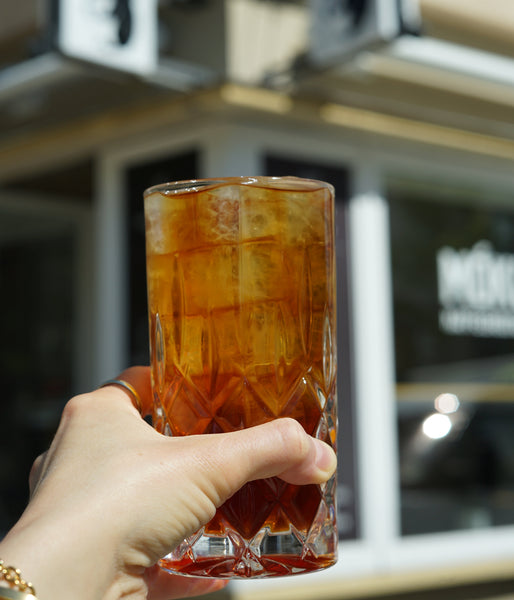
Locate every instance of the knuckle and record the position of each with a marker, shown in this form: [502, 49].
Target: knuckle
[36, 472]
[293, 437]
[36, 465]
[75, 406]
[37, 461]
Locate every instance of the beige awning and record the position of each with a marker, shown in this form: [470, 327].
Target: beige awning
[486, 25]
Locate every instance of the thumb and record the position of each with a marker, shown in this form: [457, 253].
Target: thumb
[283, 449]
[280, 448]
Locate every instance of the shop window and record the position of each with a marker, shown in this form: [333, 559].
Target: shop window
[347, 479]
[453, 282]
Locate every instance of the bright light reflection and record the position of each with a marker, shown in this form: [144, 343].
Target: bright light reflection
[437, 426]
[447, 403]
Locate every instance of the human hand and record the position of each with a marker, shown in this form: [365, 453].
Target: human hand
[111, 495]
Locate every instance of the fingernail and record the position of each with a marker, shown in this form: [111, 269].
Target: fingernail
[325, 460]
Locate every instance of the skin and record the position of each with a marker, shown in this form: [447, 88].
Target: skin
[111, 495]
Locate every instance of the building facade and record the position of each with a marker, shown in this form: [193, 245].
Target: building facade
[408, 109]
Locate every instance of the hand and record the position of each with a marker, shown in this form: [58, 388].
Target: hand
[111, 495]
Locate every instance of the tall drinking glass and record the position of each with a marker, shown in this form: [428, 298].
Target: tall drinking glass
[241, 294]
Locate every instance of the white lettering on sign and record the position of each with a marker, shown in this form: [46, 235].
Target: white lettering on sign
[476, 291]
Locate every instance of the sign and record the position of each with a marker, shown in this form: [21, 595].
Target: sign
[476, 291]
[341, 27]
[120, 34]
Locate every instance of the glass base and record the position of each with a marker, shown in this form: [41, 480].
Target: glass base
[266, 555]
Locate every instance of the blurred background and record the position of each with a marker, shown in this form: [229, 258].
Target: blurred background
[407, 107]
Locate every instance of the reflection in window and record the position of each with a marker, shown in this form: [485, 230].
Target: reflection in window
[453, 284]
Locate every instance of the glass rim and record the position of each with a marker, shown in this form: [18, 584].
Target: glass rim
[280, 183]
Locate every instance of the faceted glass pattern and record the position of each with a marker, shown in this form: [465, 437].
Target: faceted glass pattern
[241, 289]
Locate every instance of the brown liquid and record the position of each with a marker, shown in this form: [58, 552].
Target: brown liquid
[241, 303]
[274, 566]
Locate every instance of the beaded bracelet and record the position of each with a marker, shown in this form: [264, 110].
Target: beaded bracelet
[18, 589]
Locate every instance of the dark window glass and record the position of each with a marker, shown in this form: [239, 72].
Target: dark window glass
[37, 261]
[347, 484]
[138, 179]
[453, 281]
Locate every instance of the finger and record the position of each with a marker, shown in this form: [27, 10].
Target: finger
[280, 448]
[319, 467]
[138, 378]
[166, 586]
[35, 472]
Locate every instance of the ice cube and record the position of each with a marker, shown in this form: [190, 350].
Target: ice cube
[262, 213]
[265, 272]
[217, 215]
[169, 223]
[305, 218]
[210, 278]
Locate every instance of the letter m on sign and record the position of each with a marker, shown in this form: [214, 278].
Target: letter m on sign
[451, 277]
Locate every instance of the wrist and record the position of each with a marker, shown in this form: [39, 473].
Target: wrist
[8, 593]
[28, 554]
[12, 584]
[46, 555]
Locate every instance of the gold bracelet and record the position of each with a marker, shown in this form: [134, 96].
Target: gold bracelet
[18, 589]
[10, 594]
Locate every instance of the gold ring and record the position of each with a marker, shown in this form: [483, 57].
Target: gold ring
[136, 400]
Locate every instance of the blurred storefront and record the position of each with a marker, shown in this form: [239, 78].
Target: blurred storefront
[408, 109]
